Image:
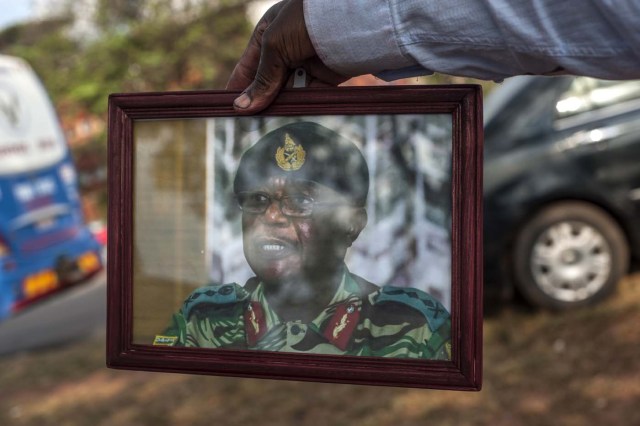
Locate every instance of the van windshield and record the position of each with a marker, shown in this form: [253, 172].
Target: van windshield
[30, 136]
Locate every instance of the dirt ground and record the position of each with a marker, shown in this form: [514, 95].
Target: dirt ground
[578, 368]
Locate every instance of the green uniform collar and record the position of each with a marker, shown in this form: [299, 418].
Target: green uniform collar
[347, 291]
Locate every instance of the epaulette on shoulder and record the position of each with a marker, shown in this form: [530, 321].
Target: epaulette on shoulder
[220, 294]
[430, 308]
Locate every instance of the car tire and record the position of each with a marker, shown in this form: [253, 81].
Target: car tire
[569, 254]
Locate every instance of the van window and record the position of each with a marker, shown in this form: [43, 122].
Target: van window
[588, 94]
[30, 135]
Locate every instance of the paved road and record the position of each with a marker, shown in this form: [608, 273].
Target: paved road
[71, 315]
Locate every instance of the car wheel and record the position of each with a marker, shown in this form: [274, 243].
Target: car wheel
[569, 254]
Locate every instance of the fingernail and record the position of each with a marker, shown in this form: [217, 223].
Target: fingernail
[243, 101]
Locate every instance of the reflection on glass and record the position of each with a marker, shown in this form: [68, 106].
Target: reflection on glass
[334, 211]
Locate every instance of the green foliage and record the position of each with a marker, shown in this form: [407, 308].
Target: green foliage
[138, 45]
[133, 51]
[112, 13]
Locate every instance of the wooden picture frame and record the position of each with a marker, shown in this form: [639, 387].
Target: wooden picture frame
[172, 161]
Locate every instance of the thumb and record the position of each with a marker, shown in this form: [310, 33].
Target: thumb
[284, 45]
[271, 76]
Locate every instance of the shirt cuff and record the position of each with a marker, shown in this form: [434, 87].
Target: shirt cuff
[408, 72]
[371, 45]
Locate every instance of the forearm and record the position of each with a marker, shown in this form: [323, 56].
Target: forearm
[483, 39]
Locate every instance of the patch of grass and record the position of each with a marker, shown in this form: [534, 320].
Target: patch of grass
[577, 368]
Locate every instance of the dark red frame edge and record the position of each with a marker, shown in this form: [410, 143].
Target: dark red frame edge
[464, 372]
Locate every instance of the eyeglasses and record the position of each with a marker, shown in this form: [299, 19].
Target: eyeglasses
[297, 205]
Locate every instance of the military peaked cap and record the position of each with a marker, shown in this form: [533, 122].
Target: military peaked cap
[305, 151]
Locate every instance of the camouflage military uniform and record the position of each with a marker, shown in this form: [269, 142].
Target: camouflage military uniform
[362, 319]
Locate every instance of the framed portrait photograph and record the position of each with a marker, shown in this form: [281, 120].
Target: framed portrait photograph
[335, 237]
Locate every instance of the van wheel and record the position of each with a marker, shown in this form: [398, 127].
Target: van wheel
[569, 254]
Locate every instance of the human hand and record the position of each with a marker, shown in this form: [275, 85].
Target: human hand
[279, 44]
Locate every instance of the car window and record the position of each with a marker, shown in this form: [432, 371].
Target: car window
[527, 112]
[589, 94]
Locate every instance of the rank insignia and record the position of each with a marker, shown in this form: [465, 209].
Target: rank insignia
[341, 325]
[290, 156]
[255, 323]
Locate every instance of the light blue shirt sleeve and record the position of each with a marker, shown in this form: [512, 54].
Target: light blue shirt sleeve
[486, 39]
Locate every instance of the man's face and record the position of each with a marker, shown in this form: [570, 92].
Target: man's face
[281, 247]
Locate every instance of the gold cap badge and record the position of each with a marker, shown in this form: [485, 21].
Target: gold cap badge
[290, 156]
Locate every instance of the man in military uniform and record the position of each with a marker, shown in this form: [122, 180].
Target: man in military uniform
[302, 190]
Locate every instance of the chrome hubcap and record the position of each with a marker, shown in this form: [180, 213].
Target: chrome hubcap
[571, 261]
